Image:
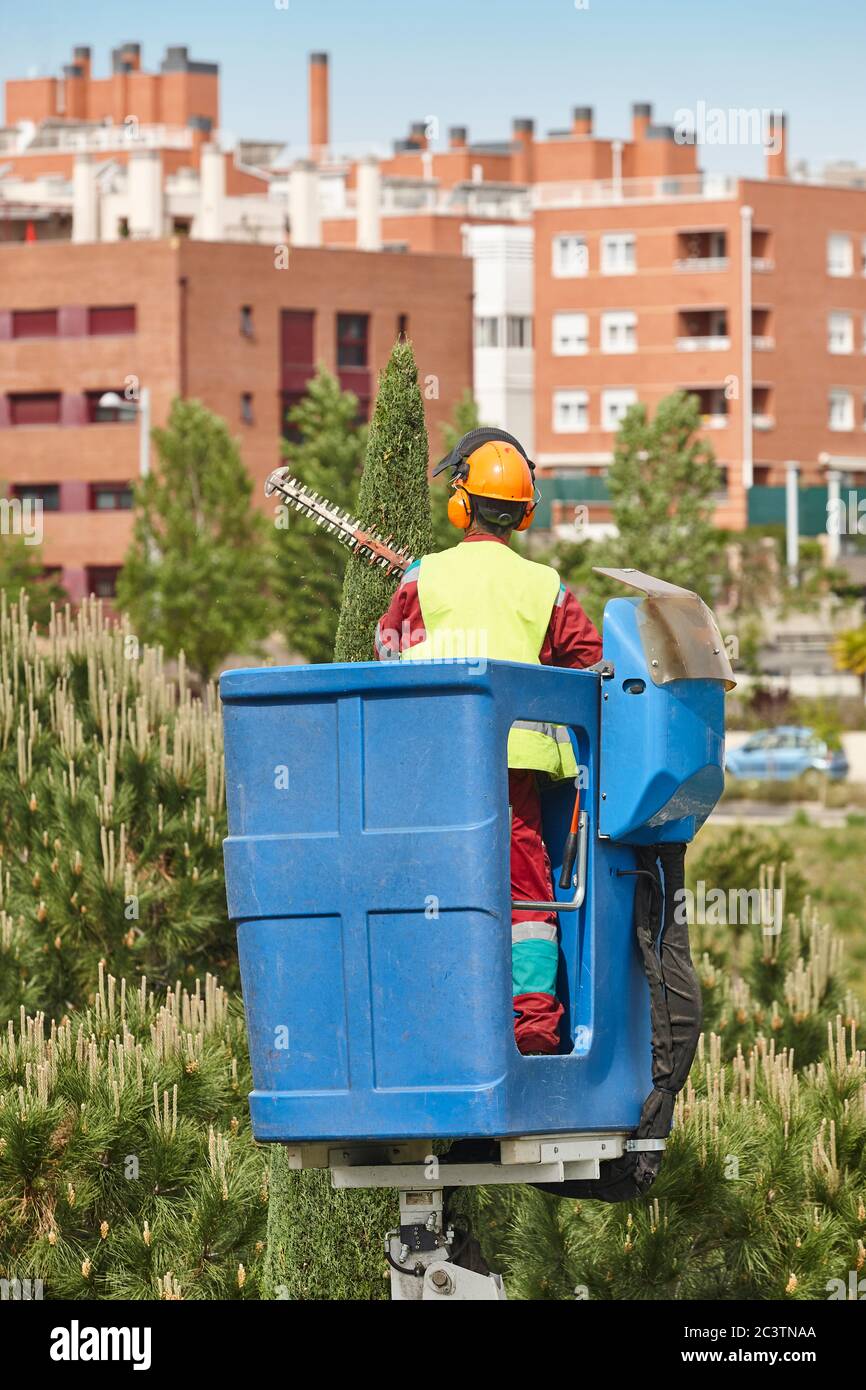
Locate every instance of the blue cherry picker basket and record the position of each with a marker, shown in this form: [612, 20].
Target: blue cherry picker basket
[367, 870]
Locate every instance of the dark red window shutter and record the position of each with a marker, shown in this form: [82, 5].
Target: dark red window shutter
[111, 318]
[35, 408]
[34, 323]
[296, 337]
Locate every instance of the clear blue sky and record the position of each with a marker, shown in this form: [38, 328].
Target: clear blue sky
[481, 62]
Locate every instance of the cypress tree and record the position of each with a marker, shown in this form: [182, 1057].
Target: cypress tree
[393, 500]
[324, 1244]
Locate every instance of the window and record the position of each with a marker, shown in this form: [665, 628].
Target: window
[247, 321]
[102, 580]
[619, 331]
[570, 255]
[35, 408]
[402, 326]
[34, 323]
[352, 340]
[111, 497]
[296, 338]
[486, 332]
[110, 319]
[518, 331]
[247, 408]
[48, 494]
[841, 410]
[618, 254]
[614, 405]
[840, 254]
[123, 413]
[570, 335]
[840, 333]
[570, 412]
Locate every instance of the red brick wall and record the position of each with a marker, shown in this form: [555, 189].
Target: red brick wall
[221, 363]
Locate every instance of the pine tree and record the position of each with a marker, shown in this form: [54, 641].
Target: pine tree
[762, 1192]
[195, 577]
[112, 813]
[127, 1166]
[393, 500]
[662, 481]
[326, 456]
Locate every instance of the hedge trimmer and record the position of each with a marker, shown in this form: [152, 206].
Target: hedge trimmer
[341, 524]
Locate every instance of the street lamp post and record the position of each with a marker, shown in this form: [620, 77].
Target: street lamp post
[110, 400]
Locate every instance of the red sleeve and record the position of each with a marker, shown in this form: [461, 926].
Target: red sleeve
[571, 639]
[402, 625]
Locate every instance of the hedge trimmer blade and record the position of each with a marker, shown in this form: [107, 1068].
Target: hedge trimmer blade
[347, 530]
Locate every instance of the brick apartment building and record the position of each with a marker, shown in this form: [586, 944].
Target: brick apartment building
[165, 288]
[604, 270]
[212, 321]
[749, 293]
[650, 276]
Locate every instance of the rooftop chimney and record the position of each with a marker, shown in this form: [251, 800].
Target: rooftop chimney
[81, 58]
[319, 123]
[641, 117]
[418, 135]
[581, 120]
[523, 133]
[458, 136]
[132, 54]
[777, 146]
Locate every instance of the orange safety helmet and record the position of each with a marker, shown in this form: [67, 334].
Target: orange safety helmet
[490, 466]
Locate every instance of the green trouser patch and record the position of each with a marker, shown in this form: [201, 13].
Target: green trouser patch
[533, 967]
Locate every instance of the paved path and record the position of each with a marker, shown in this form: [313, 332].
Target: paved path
[773, 813]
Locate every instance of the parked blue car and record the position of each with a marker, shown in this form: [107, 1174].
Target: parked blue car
[779, 755]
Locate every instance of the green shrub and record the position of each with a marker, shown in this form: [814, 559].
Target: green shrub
[111, 813]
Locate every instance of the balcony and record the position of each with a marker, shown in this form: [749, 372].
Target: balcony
[697, 264]
[716, 342]
[712, 404]
[664, 189]
[702, 330]
[762, 343]
[762, 264]
[763, 422]
[94, 138]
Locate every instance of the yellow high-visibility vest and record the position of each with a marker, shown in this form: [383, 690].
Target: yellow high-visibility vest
[481, 600]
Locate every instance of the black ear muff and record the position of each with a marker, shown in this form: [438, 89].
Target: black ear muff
[472, 441]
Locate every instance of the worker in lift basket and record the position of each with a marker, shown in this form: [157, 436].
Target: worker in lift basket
[482, 598]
